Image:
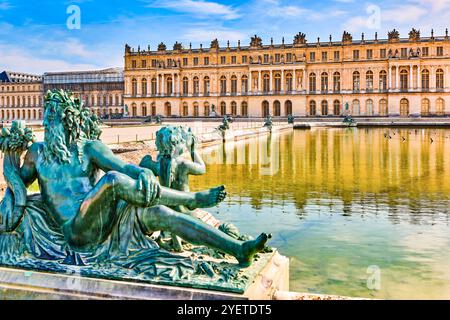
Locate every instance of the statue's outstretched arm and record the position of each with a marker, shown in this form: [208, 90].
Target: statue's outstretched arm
[197, 165]
[147, 162]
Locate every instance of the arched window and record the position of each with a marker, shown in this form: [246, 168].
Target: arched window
[234, 108]
[404, 107]
[336, 82]
[196, 86]
[277, 82]
[312, 82]
[34, 115]
[168, 109]
[324, 106]
[266, 83]
[144, 109]
[244, 86]
[277, 108]
[153, 109]
[336, 107]
[383, 80]
[324, 82]
[288, 108]
[154, 87]
[383, 108]
[404, 80]
[440, 107]
[425, 109]
[133, 110]
[265, 109]
[185, 109]
[206, 109]
[223, 85]
[244, 109]
[196, 111]
[223, 108]
[169, 86]
[369, 81]
[233, 85]
[144, 87]
[185, 86]
[289, 82]
[356, 81]
[425, 79]
[356, 107]
[439, 79]
[312, 108]
[133, 88]
[206, 86]
[369, 107]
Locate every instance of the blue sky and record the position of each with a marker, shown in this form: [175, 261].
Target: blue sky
[34, 36]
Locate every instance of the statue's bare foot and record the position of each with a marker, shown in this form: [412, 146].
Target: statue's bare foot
[252, 247]
[209, 198]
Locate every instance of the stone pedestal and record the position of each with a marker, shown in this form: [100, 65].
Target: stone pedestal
[26, 285]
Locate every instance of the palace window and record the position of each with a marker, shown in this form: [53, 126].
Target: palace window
[233, 60]
[244, 87]
[144, 87]
[440, 51]
[440, 107]
[144, 109]
[154, 62]
[324, 106]
[244, 59]
[336, 82]
[277, 82]
[404, 107]
[369, 81]
[206, 109]
[185, 61]
[133, 64]
[324, 56]
[154, 86]
[312, 108]
[355, 54]
[133, 88]
[234, 108]
[337, 56]
[196, 86]
[244, 109]
[223, 85]
[233, 85]
[336, 107]
[265, 109]
[439, 79]
[206, 86]
[425, 79]
[289, 86]
[383, 80]
[196, 111]
[169, 86]
[266, 83]
[312, 56]
[195, 61]
[266, 58]
[288, 108]
[369, 107]
[288, 57]
[425, 108]
[382, 53]
[404, 52]
[324, 82]
[277, 108]
[277, 57]
[356, 81]
[206, 61]
[404, 80]
[185, 109]
[223, 108]
[312, 82]
[223, 60]
[369, 54]
[185, 86]
[425, 52]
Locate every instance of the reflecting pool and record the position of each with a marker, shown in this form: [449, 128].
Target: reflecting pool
[360, 212]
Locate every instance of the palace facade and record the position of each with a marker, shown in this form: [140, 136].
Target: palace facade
[21, 96]
[101, 90]
[379, 77]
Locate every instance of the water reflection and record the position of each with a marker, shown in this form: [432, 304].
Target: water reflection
[341, 200]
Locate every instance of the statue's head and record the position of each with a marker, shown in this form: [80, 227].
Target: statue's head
[67, 124]
[172, 141]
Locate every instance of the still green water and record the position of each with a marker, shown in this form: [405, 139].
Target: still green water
[339, 201]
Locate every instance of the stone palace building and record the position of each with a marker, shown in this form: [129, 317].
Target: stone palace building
[21, 96]
[379, 77]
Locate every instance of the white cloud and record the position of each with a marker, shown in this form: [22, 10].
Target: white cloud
[16, 59]
[198, 7]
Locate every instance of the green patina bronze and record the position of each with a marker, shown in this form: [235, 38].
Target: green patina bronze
[268, 123]
[291, 119]
[97, 214]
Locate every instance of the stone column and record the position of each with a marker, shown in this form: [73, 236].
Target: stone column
[411, 77]
[397, 77]
[419, 83]
[173, 83]
[390, 78]
[179, 84]
[163, 85]
[282, 81]
[157, 84]
[250, 83]
[259, 82]
[294, 80]
[271, 81]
